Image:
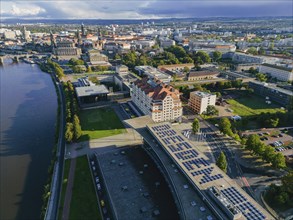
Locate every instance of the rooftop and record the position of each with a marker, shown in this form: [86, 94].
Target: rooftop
[203, 73]
[91, 90]
[156, 89]
[278, 67]
[202, 173]
[273, 86]
[202, 94]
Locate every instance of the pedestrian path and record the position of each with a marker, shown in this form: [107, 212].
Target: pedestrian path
[68, 193]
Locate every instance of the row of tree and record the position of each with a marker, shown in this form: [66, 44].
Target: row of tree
[56, 68]
[254, 144]
[267, 153]
[225, 126]
[73, 128]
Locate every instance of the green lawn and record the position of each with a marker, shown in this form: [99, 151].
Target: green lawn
[64, 185]
[254, 105]
[84, 203]
[98, 123]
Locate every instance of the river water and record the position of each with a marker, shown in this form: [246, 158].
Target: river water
[28, 108]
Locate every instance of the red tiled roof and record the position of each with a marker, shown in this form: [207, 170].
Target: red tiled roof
[159, 92]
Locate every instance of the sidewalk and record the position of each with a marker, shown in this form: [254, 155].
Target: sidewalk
[68, 194]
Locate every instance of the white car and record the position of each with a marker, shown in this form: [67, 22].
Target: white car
[99, 186]
[193, 203]
[97, 179]
[202, 208]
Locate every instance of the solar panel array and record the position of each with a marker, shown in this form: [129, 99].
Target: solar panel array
[184, 152]
[202, 169]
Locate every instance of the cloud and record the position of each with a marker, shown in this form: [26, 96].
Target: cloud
[142, 9]
[26, 11]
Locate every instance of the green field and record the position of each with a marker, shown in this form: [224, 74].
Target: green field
[98, 123]
[64, 185]
[254, 105]
[84, 203]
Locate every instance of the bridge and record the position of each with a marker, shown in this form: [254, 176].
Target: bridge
[16, 57]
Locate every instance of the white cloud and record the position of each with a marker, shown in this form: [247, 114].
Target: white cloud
[143, 9]
[26, 10]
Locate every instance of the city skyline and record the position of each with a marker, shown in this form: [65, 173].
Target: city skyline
[119, 9]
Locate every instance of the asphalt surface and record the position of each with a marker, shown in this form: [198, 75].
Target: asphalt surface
[217, 145]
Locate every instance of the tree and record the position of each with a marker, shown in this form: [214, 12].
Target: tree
[89, 69]
[211, 110]
[279, 161]
[287, 181]
[217, 55]
[261, 77]
[225, 126]
[272, 122]
[252, 142]
[252, 70]
[237, 84]
[69, 132]
[76, 128]
[186, 69]
[222, 162]
[195, 125]
[252, 50]
[268, 154]
[201, 57]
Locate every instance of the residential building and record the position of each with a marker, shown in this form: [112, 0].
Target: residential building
[166, 42]
[279, 72]
[246, 58]
[202, 75]
[199, 101]
[274, 93]
[210, 46]
[160, 101]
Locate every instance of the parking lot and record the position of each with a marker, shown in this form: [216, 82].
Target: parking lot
[280, 139]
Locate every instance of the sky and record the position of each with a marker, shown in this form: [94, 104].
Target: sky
[143, 9]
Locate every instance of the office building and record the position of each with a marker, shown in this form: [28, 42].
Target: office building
[160, 101]
[199, 101]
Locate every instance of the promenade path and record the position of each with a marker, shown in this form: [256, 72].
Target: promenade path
[68, 193]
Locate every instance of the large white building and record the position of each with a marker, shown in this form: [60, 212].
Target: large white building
[160, 101]
[278, 72]
[199, 101]
[153, 73]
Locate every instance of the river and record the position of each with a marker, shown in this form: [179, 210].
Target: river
[28, 108]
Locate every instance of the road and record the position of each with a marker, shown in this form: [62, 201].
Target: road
[217, 144]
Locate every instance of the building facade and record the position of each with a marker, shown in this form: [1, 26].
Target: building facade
[199, 101]
[276, 94]
[202, 75]
[160, 101]
[278, 72]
